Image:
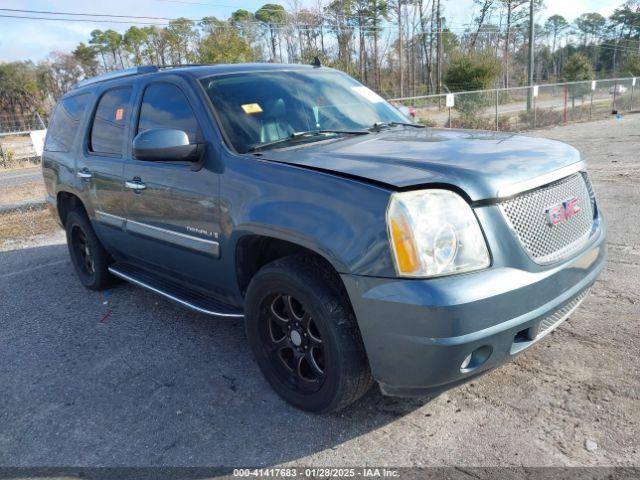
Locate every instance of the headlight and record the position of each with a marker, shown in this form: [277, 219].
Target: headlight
[434, 232]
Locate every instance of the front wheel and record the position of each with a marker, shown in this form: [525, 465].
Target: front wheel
[304, 336]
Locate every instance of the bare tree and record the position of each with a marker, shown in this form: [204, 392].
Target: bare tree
[485, 12]
[513, 13]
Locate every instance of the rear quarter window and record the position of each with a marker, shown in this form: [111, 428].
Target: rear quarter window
[65, 123]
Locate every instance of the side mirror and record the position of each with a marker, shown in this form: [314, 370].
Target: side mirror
[166, 144]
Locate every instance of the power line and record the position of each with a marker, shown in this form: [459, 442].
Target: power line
[48, 12]
[121, 19]
[461, 28]
[451, 28]
[617, 47]
[274, 26]
[184, 2]
[80, 20]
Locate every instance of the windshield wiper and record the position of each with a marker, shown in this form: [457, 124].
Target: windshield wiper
[376, 127]
[309, 134]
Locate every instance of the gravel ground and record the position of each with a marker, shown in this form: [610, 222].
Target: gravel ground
[19, 176]
[127, 378]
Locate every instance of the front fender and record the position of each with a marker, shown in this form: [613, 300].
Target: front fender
[341, 219]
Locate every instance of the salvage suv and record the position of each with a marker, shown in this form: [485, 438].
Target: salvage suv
[357, 246]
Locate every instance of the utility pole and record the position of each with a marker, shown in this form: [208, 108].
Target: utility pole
[532, 47]
[438, 48]
[432, 27]
[400, 52]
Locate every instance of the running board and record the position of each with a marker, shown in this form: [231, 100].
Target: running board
[173, 291]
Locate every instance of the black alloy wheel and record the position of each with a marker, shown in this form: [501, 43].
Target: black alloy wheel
[82, 251]
[304, 335]
[90, 259]
[294, 342]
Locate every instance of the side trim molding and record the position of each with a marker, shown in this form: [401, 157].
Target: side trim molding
[142, 284]
[189, 242]
[111, 220]
[181, 239]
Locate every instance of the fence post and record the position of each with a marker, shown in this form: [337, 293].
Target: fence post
[497, 116]
[633, 87]
[615, 88]
[44, 127]
[591, 106]
[566, 93]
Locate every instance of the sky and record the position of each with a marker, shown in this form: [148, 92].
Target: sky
[22, 39]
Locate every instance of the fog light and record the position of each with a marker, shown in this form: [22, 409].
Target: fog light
[476, 359]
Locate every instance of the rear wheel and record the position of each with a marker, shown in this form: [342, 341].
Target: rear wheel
[305, 337]
[90, 260]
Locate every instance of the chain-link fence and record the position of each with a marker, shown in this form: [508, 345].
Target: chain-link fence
[25, 221]
[23, 212]
[527, 108]
[16, 144]
[20, 124]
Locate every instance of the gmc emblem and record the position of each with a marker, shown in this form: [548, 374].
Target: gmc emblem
[562, 211]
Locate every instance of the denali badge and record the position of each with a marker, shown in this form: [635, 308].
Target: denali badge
[201, 231]
[562, 211]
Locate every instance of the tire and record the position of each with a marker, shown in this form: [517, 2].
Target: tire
[90, 260]
[293, 303]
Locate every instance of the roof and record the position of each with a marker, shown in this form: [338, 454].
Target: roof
[205, 70]
[196, 71]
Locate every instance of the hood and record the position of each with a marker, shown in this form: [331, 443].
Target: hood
[485, 165]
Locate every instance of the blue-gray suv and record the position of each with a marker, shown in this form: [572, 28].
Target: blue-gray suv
[357, 245]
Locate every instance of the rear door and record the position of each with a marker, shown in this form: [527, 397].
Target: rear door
[102, 161]
[61, 143]
[172, 207]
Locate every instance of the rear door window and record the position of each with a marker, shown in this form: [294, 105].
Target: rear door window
[65, 123]
[165, 106]
[110, 122]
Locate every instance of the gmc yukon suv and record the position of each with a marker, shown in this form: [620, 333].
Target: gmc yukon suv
[357, 246]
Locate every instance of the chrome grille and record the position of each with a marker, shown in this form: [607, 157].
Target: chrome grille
[547, 243]
[592, 195]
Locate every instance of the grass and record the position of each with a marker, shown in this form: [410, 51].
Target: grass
[19, 193]
[17, 163]
[17, 152]
[24, 223]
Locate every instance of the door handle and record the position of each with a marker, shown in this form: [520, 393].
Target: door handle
[135, 184]
[84, 173]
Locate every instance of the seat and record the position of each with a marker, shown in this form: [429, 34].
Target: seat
[274, 123]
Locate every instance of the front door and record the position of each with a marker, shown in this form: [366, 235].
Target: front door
[172, 210]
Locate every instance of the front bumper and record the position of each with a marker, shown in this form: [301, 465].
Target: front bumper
[419, 334]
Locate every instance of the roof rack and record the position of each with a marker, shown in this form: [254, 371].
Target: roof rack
[127, 72]
[178, 65]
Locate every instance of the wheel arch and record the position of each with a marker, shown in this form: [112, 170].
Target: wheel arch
[66, 202]
[253, 251]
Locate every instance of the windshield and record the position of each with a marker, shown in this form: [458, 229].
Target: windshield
[257, 108]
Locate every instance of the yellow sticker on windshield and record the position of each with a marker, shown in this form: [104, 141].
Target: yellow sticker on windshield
[250, 108]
